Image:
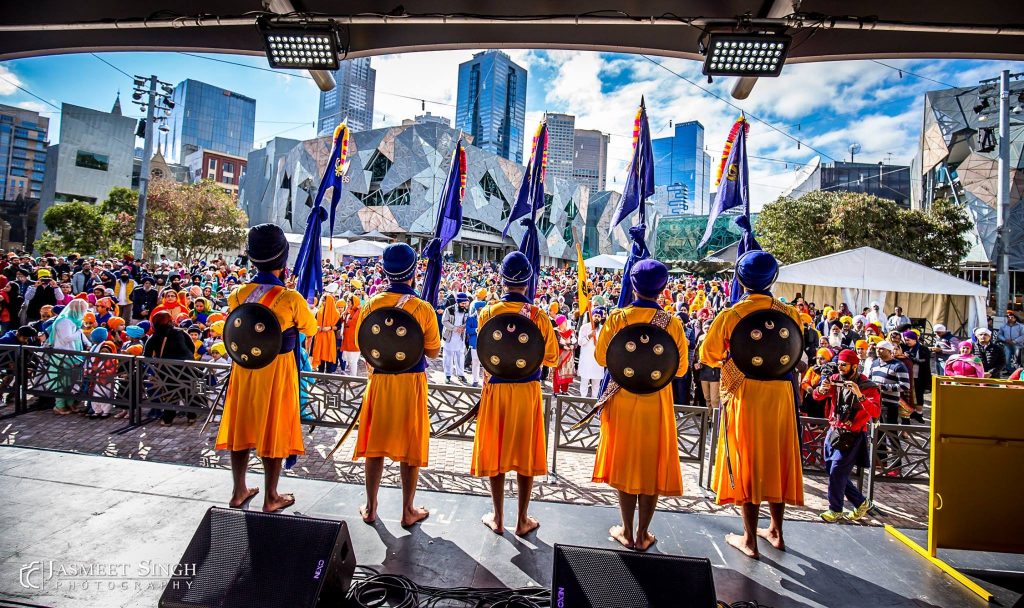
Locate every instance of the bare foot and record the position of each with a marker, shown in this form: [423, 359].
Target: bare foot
[622, 535]
[645, 542]
[774, 538]
[278, 503]
[525, 527]
[413, 516]
[237, 501]
[369, 515]
[737, 540]
[493, 523]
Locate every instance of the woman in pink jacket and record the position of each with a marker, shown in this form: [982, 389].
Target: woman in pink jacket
[966, 363]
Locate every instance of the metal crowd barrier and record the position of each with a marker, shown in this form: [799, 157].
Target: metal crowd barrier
[330, 400]
[691, 427]
[11, 384]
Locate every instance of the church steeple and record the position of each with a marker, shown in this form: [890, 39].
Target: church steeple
[116, 110]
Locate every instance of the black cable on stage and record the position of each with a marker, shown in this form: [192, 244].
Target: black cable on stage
[371, 589]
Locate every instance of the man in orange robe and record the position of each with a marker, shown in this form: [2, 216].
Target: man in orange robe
[510, 429]
[759, 438]
[638, 453]
[394, 422]
[324, 354]
[261, 409]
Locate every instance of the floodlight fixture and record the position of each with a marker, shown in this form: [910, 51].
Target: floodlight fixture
[300, 46]
[168, 103]
[978, 109]
[745, 54]
[137, 95]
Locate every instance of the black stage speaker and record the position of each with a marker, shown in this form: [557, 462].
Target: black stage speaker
[249, 559]
[585, 577]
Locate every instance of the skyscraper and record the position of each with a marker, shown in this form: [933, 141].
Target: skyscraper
[681, 164]
[207, 117]
[590, 159]
[22, 152]
[351, 98]
[492, 103]
[561, 144]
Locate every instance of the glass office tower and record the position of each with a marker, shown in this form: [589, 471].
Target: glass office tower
[682, 165]
[491, 103]
[209, 118]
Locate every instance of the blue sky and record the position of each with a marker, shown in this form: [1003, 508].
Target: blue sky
[826, 106]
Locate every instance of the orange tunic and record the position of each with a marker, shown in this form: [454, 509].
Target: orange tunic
[261, 409]
[325, 343]
[760, 419]
[510, 434]
[638, 452]
[394, 420]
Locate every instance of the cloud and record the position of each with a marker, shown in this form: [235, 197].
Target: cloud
[432, 76]
[9, 82]
[35, 106]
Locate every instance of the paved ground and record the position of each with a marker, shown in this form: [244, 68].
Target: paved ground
[902, 504]
[84, 531]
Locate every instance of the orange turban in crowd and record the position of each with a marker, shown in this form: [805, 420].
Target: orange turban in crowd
[824, 352]
[115, 323]
[134, 350]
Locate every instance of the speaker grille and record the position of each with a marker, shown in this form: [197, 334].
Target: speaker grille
[240, 559]
[585, 577]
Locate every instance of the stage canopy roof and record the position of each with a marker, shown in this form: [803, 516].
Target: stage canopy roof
[823, 29]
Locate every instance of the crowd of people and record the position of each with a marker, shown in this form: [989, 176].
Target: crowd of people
[118, 306]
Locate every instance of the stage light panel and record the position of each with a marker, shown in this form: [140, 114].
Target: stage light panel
[745, 54]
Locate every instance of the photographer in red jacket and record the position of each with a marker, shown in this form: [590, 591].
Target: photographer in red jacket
[853, 401]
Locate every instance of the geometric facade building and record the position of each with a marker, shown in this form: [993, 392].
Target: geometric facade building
[953, 161]
[393, 183]
[890, 182]
[351, 98]
[491, 103]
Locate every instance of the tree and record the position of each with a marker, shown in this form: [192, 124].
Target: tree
[106, 228]
[195, 220]
[74, 226]
[824, 222]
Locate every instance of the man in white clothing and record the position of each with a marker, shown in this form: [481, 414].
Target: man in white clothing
[454, 338]
[591, 373]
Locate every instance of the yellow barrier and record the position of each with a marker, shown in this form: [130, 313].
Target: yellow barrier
[977, 455]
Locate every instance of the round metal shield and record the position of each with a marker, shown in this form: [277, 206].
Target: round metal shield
[510, 346]
[252, 335]
[643, 358]
[766, 345]
[391, 340]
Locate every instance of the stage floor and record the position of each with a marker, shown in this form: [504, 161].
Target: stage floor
[70, 513]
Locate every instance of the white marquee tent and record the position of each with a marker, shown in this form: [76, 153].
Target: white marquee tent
[865, 275]
[613, 262]
[362, 249]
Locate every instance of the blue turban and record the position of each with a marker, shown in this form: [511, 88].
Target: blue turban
[516, 270]
[146, 326]
[601, 310]
[267, 248]
[649, 277]
[462, 297]
[134, 332]
[99, 335]
[756, 270]
[399, 262]
[57, 310]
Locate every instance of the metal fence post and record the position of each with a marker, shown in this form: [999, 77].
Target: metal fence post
[558, 431]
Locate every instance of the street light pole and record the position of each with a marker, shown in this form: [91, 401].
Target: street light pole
[1003, 196]
[147, 153]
